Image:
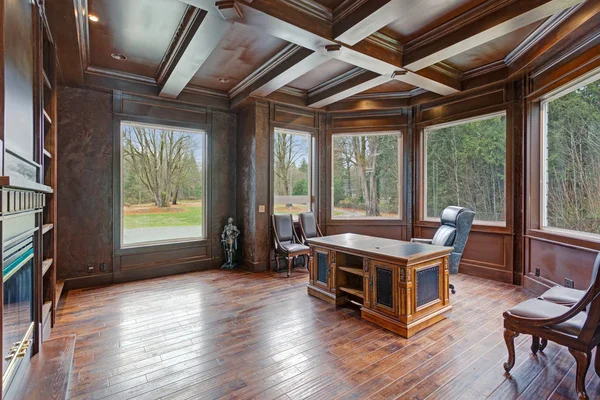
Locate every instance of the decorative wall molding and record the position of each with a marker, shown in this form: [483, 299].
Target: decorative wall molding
[111, 73]
[484, 69]
[311, 8]
[338, 80]
[345, 8]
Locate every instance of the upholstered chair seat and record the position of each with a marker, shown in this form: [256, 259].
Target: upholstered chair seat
[535, 308]
[563, 295]
[293, 247]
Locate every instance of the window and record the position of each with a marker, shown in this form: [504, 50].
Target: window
[571, 159]
[162, 184]
[366, 175]
[465, 165]
[292, 172]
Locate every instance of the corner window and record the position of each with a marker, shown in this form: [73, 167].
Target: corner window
[465, 165]
[162, 184]
[292, 172]
[366, 175]
[571, 159]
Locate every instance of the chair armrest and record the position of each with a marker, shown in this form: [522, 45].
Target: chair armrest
[425, 241]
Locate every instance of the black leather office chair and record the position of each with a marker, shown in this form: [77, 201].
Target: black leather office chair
[456, 225]
[286, 242]
[308, 226]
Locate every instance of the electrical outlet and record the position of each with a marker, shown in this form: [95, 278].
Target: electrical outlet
[90, 268]
[569, 283]
[537, 272]
[102, 267]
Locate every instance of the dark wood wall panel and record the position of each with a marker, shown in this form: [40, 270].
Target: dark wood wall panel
[294, 116]
[142, 109]
[369, 120]
[398, 232]
[164, 258]
[85, 212]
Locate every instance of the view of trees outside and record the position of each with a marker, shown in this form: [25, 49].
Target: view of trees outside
[291, 172]
[366, 181]
[572, 165]
[466, 167]
[162, 183]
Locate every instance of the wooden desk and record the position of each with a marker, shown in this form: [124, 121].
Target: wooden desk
[402, 286]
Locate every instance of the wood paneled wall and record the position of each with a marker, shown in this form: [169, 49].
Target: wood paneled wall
[89, 179]
[557, 255]
[490, 249]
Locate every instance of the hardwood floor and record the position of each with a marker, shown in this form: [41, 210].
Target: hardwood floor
[216, 334]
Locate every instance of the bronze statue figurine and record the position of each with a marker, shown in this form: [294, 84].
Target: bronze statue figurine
[229, 241]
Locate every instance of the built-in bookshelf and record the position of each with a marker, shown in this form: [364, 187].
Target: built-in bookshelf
[48, 100]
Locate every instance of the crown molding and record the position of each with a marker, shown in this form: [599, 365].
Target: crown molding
[353, 73]
[312, 8]
[206, 92]
[591, 39]
[385, 41]
[111, 73]
[345, 8]
[447, 69]
[273, 62]
[484, 69]
[456, 23]
[538, 34]
[290, 91]
[386, 95]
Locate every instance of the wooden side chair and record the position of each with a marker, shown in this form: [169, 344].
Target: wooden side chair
[308, 226]
[576, 327]
[286, 242]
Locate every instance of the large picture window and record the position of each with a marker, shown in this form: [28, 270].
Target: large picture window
[571, 159]
[162, 184]
[292, 172]
[465, 165]
[366, 175]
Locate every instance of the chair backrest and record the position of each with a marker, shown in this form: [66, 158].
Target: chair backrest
[308, 224]
[283, 224]
[591, 300]
[455, 228]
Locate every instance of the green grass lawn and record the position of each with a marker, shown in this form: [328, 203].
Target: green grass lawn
[190, 216]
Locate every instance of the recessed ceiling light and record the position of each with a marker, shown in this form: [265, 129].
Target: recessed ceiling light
[118, 56]
[223, 80]
[93, 18]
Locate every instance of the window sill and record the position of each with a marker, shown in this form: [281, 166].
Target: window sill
[571, 238]
[161, 246]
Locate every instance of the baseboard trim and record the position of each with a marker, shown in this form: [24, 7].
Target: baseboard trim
[253, 266]
[84, 282]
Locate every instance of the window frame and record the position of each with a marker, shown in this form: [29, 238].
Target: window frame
[426, 130]
[401, 177]
[168, 242]
[311, 166]
[562, 91]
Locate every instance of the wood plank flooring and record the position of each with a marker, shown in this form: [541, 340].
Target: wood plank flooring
[214, 334]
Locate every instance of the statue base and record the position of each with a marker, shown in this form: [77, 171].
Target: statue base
[228, 266]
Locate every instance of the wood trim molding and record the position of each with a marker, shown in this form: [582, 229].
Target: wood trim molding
[121, 75]
[312, 8]
[345, 8]
[83, 38]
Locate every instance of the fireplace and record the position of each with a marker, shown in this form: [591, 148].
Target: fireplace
[18, 306]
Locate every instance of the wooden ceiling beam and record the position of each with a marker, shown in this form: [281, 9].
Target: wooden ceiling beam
[368, 18]
[491, 26]
[585, 19]
[348, 84]
[315, 33]
[289, 64]
[198, 36]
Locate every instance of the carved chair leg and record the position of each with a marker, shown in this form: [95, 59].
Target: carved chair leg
[583, 363]
[535, 344]
[597, 360]
[543, 344]
[289, 260]
[509, 338]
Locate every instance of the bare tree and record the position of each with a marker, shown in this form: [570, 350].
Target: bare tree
[286, 153]
[156, 156]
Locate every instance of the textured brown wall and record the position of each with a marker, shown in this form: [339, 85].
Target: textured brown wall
[253, 184]
[85, 181]
[85, 212]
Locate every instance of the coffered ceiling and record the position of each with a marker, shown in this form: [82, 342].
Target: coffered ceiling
[322, 51]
